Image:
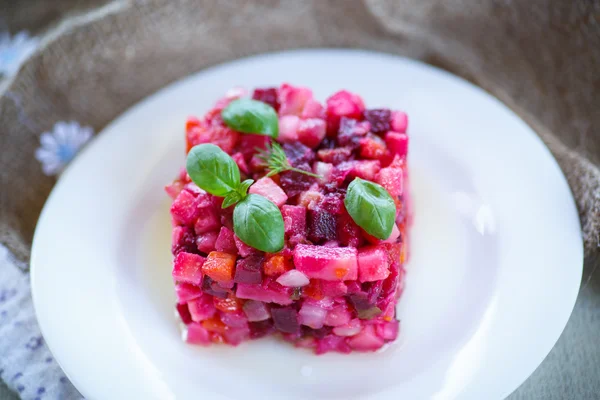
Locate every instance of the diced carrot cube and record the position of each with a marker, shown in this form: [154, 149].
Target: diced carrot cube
[313, 290]
[219, 266]
[277, 265]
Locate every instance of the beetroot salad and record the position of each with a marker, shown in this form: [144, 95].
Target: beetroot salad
[291, 218]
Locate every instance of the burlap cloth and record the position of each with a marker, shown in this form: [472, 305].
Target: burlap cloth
[540, 57]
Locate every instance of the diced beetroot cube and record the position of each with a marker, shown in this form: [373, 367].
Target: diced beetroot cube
[277, 265]
[373, 290]
[349, 234]
[333, 203]
[340, 174]
[332, 343]
[260, 329]
[235, 319]
[194, 189]
[351, 328]
[364, 169]
[264, 294]
[219, 266]
[297, 153]
[206, 241]
[399, 122]
[213, 288]
[196, 334]
[186, 292]
[241, 162]
[256, 311]
[388, 330]
[351, 131]
[188, 268]
[288, 128]
[311, 131]
[367, 169]
[391, 179]
[268, 188]
[294, 220]
[321, 225]
[313, 109]
[294, 183]
[366, 340]
[373, 263]
[293, 99]
[243, 249]
[353, 287]
[184, 208]
[202, 308]
[285, 319]
[333, 288]
[379, 120]
[207, 218]
[225, 241]
[342, 104]
[249, 270]
[324, 170]
[218, 135]
[312, 314]
[335, 156]
[397, 143]
[235, 336]
[267, 95]
[174, 189]
[247, 144]
[372, 147]
[339, 315]
[330, 264]
[183, 239]
[184, 313]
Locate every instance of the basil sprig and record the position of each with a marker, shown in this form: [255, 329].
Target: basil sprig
[259, 221]
[371, 207]
[213, 170]
[251, 116]
[256, 220]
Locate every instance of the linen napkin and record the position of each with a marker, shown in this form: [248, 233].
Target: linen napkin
[540, 57]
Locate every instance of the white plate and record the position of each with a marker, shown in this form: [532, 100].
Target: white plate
[496, 249]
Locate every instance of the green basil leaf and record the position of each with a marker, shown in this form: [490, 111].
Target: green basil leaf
[258, 223]
[251, 116]
[371, 207]
[212, 169]
[244, 186]
[231, 199]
